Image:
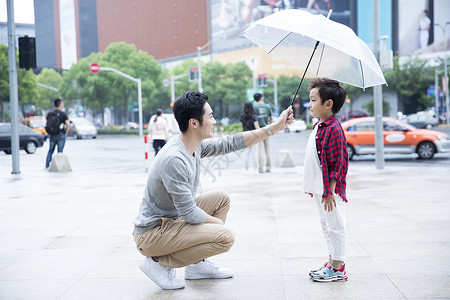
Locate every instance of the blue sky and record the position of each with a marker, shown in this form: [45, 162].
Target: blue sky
[23, 11]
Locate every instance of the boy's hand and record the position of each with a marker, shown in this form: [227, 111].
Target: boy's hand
[328, 202]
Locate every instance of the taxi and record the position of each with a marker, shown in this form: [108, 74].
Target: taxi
[37, 123]
[398, 138]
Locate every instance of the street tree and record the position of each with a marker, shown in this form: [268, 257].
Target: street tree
[106, 88]
[411, 80]
[46, 96]
[26, 83]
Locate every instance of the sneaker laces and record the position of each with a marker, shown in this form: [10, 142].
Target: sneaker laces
[170, 273]
[211, 265]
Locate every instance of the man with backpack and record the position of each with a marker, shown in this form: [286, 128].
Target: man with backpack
[56, 119]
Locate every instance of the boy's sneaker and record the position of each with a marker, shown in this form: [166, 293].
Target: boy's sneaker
[330, 274]
[206, 269]
[164, 277]
[317, 270]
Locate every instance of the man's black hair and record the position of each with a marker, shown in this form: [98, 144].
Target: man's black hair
[329, 89]
[57, 102]
[189, 105]
[257, 96]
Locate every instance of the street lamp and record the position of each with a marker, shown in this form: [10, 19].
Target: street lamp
[199, 63]
[444, 30]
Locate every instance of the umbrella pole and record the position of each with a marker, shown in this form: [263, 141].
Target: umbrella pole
[307, 66]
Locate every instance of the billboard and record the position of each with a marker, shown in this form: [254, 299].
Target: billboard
[229, 18]
[68, 33]
[417, 33]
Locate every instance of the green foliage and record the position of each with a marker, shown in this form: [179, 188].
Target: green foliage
[236, 127]
[26, 80]
[46, 96]
[110, 89]
[369, 107]
[287, 86]
[411, 80]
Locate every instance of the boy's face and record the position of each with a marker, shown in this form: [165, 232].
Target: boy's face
[318, 109]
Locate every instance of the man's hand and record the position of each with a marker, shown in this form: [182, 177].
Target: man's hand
[286, 118]
[214, 220]
[328, 202]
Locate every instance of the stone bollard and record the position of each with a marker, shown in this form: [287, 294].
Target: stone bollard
[285, 159]
[60, 163]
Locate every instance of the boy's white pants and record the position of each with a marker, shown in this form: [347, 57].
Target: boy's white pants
[334, 227]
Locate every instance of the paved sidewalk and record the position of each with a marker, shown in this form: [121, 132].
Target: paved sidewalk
[68, 236]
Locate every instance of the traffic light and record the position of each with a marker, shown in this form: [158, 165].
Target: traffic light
[191, 74]
[27, 52]
[262, 80]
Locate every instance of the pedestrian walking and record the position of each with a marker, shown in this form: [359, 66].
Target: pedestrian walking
[325, 171]
[264, 113]
[57, 128]
[176, 227]
[159, 131]
[249, 121]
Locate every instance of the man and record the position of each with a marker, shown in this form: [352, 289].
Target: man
[264, 113]
[424, 30]
[54, 128]
[175, 227]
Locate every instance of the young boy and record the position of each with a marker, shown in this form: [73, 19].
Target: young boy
[325, 169]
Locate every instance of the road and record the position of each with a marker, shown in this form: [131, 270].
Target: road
[126, 154]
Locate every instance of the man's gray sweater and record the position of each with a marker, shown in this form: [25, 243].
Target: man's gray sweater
[173, 180]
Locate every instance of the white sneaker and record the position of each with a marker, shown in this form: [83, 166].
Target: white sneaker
[206, 269]
[164, 277]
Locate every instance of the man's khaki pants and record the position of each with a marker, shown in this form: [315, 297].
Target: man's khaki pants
[177, 244]
[266, 144]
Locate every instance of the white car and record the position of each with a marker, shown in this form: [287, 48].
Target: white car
[296, 126]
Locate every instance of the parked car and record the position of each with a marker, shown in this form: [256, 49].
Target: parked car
[29, 140]
[82, 128]
[422, 119]
[353, 115]
[37, 123]
[398, 138]
[129, 126]
[296, 126]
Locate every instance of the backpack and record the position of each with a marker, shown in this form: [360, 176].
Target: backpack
[53, 122]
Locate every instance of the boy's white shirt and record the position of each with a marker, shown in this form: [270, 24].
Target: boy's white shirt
[312, 171]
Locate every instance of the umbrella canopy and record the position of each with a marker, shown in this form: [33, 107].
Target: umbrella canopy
[291, 35]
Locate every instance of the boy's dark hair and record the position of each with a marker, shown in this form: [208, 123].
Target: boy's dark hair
[57, 102]
[257, 96]
[329, 89]
[189, 105]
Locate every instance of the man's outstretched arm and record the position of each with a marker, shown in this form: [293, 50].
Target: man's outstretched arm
[253, 137]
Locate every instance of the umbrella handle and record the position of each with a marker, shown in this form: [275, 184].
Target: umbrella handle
[304, 73]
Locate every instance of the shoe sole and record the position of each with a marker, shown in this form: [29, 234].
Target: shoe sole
[330, 279]
[164, 287]
[195, 277]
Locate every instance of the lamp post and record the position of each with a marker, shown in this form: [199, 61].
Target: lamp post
[444, 30]
[199, 64]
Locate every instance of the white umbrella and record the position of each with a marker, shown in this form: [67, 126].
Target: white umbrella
[292, 35]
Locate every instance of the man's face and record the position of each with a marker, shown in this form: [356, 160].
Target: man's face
[207, 128]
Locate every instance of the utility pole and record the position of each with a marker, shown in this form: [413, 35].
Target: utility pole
[172, 86]
[378, 92]
[13, 92]
[445, 88]
[199, 63]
